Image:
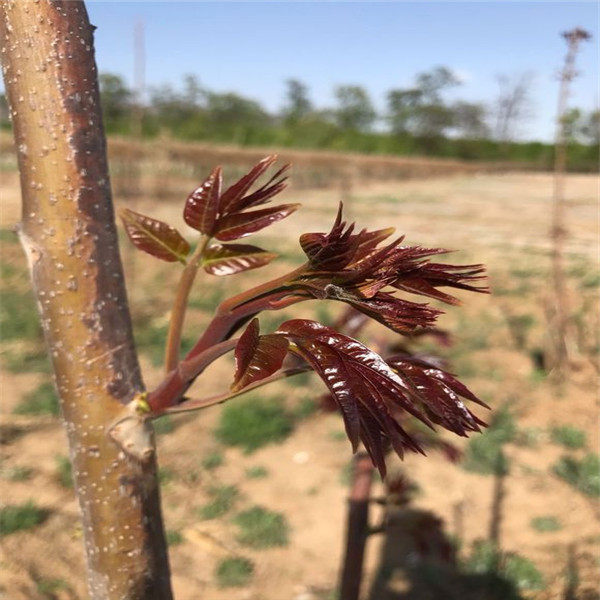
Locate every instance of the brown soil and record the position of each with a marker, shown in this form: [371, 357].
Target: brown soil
[501, 220]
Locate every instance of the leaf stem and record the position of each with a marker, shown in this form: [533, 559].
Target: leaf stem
[198, 404]
[171, 389]
[237, 309]
[180, 304]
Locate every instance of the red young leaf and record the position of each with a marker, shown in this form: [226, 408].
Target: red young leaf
[366, 389]
[257, 357]
[232, 195]
[227, 259]
[439, 394]
[374, 398]
[240, 225]
[155, 237]
[273, 187]
[200, 210]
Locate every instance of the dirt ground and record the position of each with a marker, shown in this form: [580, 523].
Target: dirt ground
[500, 220]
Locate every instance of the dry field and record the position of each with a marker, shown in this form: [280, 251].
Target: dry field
[499, 219]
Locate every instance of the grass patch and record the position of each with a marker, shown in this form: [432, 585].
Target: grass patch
[16, 473]
[8, 236]
[262, 528]
[300, 380]
[49, 587]
[257, 472]
[210, 298]
[163, 425]
[254, 422]
[29, 361]
[484, 452]
[41, 401]
[485, 559]
[545, 524]
[174, 537]
[64, 471]
[18, 517]
[18, 316]
[223, 499]
[212, 460]
[234, 572]
[151, 340]
[165, 475]
[568, 436]
[305, 408]
[583, 474]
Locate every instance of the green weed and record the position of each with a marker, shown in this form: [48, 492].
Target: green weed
[254, 422]
[18, 517]
[163, 425]
[223, 499]
[546, 524]
[18, 316]
[17, 473]
[568, 436]
[484, 452]
[234, 572]
[257, 472]
[41, 401]
[583, 474]
[262, 528]
[64, 471]
[485, 559]
[212, 460]
[174, 537]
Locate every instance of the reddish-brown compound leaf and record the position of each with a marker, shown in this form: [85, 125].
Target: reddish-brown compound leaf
[155, 237]
[201, 207]
[263, 194]
[257, 356]
[227, 259]
[240, 225]
[369, 393]
[233, 194]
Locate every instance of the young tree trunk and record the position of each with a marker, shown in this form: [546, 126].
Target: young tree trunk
[560, 309]
[357, 528]
[70, 239]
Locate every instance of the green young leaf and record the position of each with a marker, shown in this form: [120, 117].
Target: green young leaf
[155, 237]
[227, 259]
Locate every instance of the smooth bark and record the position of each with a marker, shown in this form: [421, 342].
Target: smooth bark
[70, 239]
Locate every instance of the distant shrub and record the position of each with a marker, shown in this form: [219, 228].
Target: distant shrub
[583, 474]
[234, 572]
[254, 422]
[41, 401]
[262, 528]
[20, 516]
[568, 436]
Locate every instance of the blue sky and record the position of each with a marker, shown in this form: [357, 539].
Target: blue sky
[253, 47]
